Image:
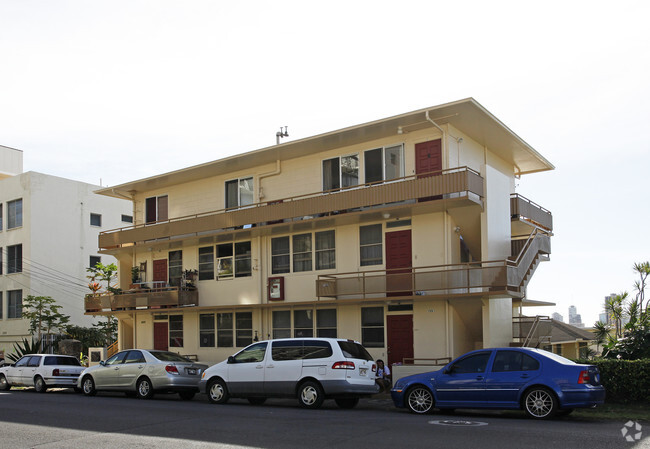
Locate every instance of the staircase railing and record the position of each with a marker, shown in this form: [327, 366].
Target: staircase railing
[112, 349]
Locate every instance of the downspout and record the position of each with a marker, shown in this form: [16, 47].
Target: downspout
[275, 172]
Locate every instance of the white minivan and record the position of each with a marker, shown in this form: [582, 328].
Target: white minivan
[311, 369]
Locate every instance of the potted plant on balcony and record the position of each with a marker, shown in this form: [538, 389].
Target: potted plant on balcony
[135, 278]
[189, 276]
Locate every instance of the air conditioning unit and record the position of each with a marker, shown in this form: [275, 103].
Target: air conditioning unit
[96, 355]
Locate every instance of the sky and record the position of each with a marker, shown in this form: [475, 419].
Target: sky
[108, 92]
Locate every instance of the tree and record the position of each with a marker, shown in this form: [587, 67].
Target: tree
[104, 273]
[44, 315]
[90, 336]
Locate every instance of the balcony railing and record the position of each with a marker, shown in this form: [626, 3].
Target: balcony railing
[142, 299]
[461, 182]
[521, 207]
[477, 278]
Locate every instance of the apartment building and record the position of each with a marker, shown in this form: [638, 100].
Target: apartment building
[404, 233]
[49, 228]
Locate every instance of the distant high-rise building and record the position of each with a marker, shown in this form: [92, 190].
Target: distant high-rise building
[556, 316]
[574, 317]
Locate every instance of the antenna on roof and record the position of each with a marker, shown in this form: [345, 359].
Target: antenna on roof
[281, 134]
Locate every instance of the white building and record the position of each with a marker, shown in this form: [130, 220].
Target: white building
[48, 237]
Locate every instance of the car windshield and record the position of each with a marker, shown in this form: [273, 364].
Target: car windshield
[164, 356]
[353, 350]
[60, 360]
[556, 358]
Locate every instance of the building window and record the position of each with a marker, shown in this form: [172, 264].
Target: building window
[370, 239]
[206, 263]
[372, 327]
[303, 252]
[280, 255]
[94, 260]
[224, 330]
[95, 220]
[15, 304]
[127, 218]
[15, 259]
[1, 257]
[281, 324]
[243, 259]
[156, 208]
[244, 328]
[583, 350]
[341, 172]
[15, 214]
[303, 323]
[1, 304]
[325, 250]
[383, 164]
[206, 330]
[239, 192]
[233, 260]
[0, 216]
[326, 323]
[175, 268]
[176, 331]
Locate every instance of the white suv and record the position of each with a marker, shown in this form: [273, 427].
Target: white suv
[311, 369]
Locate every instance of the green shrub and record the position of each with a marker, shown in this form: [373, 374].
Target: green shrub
[624, 380]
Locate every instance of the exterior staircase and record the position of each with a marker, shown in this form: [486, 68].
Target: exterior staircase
[530, 253]
[531, 332]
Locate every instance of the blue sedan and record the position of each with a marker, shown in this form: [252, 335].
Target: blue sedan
[541, 383]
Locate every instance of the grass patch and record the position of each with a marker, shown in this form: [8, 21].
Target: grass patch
[615, 411]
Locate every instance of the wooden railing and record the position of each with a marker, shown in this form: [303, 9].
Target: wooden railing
[142, 299]
[461, 181]
[112, 349]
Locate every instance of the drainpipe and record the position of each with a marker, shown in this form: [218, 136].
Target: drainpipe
[275, 172]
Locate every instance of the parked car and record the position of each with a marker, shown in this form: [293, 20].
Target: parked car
[310, 369]
[42, 371]
[142, 373]
[541, 383]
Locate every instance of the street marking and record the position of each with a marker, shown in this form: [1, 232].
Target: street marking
[457, 423]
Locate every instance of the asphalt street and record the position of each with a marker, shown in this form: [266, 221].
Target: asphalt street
[64, 419]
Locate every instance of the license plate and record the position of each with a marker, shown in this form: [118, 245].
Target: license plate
[191, 371]
[363, 371]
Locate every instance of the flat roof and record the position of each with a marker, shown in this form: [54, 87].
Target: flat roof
[467, 115]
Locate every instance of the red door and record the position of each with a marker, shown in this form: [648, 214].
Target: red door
[400, 338]
[398, 263]
[160, 271]
[428, 161]
[161, 336]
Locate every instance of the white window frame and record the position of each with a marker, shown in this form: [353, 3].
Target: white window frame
[314, 252]
[239, 192]
[340, 158]
[383, 163]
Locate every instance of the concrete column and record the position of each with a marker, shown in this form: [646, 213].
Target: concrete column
[497, 322]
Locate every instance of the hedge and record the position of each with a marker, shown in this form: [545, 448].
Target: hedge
[624, 380]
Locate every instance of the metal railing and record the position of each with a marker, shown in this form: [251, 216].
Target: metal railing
[531, 331]
[141, 299]
[523, 207]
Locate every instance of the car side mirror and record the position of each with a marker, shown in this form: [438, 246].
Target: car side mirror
[231, 359]
[448, 370]
[102, 363]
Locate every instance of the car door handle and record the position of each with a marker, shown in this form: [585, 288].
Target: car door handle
[479, 377]
[270, 366]
[524, 376]
[116, 368]
[259, 367]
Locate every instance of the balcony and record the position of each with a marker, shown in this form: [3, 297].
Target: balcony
[508, 277]
[523, 209]
[454, 184]
[154, 298]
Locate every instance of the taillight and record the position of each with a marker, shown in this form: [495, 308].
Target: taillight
[171, 369]
[374, 368]
[55, 372]
[343, 365]
[584, 377]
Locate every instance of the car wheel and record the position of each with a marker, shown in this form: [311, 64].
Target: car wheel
[88, 386]
[4, 385]
[346, 402]
[187, 395]
[419, 400]
[540, 403]
[256, 401]
[310, 395]
[39, 385]
[144, 389]
[218, 392]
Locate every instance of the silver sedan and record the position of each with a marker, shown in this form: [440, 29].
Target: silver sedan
[141, 373]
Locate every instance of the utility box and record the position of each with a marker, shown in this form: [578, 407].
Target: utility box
[96, 355]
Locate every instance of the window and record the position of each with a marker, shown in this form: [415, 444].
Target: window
[117, 359]
[326, 323]
[156, 208]
[303, 323]
[301, 253]
[583, 350]
[287, 350]
[514, 361]
[281, 324]
[224, 330]
[0, 216]
[341, 172]
[241, 251]
[15, 304]
[175, 268]
[95, 220]
[15, 259]
[1, 304]
[206, 330]
[127, 218]
[15, 214]
[239, 192]
[372, 327]
[473, 364]
[243, 328]
[176, 331]
[370, 239]
[135, 357]
[94, 260]
[383, 164]
[254, 354]
[325, 250]
[206, 263]
[1, 257]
